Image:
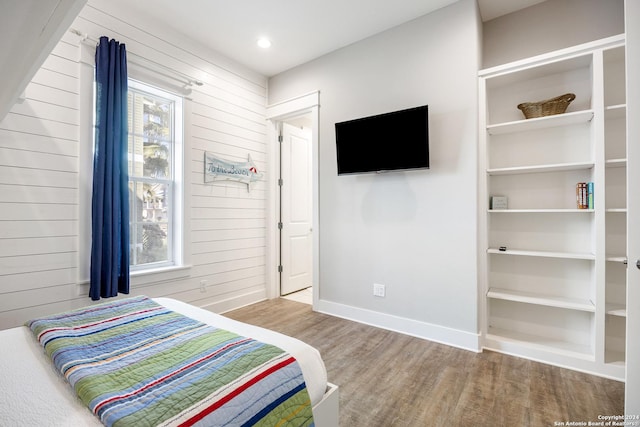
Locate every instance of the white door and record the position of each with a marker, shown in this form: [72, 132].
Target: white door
[632, 391]
[296, 210]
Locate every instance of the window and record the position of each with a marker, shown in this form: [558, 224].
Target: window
[175, 246]
[155, 172]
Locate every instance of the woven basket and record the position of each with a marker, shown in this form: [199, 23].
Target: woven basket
[548, 107]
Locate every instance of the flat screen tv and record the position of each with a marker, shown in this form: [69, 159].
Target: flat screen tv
[384, 142]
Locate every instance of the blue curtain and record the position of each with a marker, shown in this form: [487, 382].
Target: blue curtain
[110, 200]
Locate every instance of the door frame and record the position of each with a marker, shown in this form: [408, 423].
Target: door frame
[307, 104]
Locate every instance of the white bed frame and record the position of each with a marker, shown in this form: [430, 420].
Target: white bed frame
[325, 413]
[27, 373]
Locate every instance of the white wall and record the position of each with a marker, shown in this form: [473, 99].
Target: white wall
[413, 231]
[549, 26]
[40, 177]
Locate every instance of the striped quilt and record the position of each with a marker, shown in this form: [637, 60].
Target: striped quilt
[134, 362]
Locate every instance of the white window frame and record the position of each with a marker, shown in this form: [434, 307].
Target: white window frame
[176, 185]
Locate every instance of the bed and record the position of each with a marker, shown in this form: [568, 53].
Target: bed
[34, 392]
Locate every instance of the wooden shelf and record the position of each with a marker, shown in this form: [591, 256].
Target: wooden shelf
[616, 258]
[559, 167]
[616, 163]
[618, 111]
[616, 310]
[543, 254]
[546, 300]
[541, 122]
[615, 358]
[503, 336]
[616, 210]
[514, 211]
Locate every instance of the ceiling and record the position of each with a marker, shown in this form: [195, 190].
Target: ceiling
[29, 30]
[490, 9]
[299, 30]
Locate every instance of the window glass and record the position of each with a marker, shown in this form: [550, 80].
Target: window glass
[152, 153]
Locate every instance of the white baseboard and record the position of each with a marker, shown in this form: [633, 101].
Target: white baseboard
[440, 334]
[236, 302]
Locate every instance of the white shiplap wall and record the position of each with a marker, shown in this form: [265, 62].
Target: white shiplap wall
[40, 211]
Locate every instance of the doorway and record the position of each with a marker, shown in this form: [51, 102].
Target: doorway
[299, 113]
[296, 221]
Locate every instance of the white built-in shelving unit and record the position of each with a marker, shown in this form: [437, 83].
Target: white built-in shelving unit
[554, 276]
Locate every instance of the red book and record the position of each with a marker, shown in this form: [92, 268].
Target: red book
[581, 195]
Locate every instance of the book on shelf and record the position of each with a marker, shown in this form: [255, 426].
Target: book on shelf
[498, 202]
[584, 195]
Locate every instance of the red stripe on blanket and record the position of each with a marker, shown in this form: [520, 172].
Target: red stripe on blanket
[164, 378]
[199, 416]
[88, 325]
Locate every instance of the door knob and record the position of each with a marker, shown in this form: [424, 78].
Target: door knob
[638, 263]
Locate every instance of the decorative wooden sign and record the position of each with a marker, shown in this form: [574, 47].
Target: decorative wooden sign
[216, 169]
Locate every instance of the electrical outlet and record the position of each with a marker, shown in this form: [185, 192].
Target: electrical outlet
[378, 290]
[203, 286]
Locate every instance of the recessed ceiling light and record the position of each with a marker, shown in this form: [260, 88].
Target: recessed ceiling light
[264, 42]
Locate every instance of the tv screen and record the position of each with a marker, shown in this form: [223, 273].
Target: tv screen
[384, 142]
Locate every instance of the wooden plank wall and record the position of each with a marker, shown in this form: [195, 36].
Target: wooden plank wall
[40, 212]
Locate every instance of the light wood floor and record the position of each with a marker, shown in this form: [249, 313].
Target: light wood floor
[390, 379]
